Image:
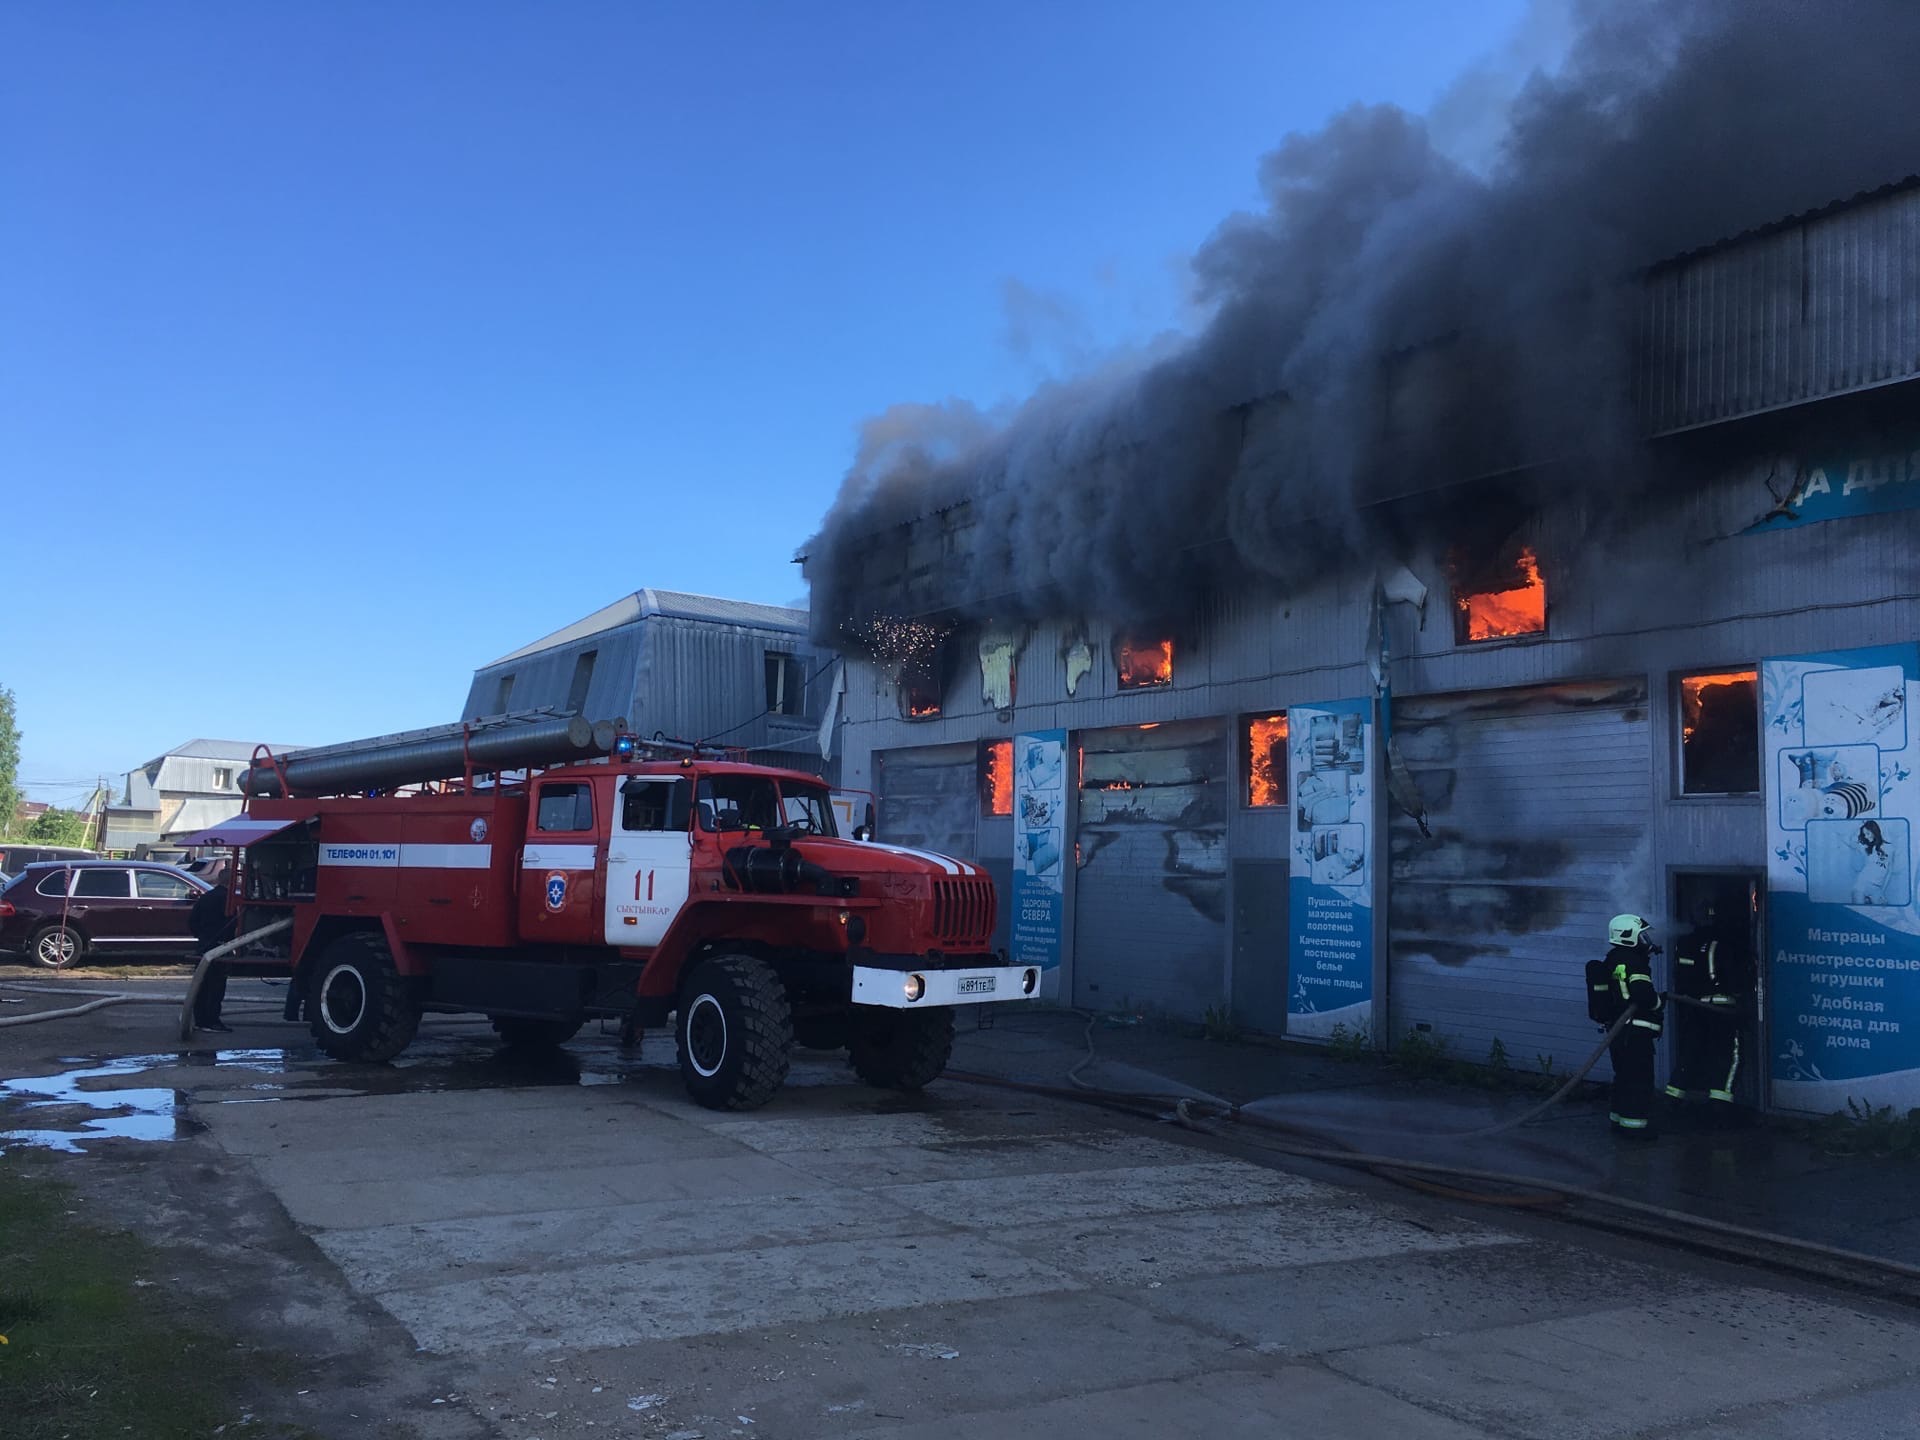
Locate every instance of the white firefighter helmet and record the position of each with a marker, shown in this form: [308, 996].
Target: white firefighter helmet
[1627, 930]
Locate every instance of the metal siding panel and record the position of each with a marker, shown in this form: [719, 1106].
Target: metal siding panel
[1260, 944]
[931, 798]
[1540, 805]
[1150, 890]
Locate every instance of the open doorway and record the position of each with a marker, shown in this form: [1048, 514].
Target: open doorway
[1729, 905]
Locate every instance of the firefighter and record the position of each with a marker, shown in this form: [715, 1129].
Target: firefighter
[1713, 975]
[1629, 966]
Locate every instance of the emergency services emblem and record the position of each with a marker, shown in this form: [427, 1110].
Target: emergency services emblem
[478, 830]
[556, 891]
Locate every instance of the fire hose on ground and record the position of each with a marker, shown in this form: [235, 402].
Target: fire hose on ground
[1194, 1112]
[101, 1002]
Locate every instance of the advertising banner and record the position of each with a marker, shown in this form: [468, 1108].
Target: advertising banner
[1330, 886]
[1837, 486]
[1039, 848]
[1842, 801]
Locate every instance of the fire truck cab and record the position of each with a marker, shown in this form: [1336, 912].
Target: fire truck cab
[716, 893]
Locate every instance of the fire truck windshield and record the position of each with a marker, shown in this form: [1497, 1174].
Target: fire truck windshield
[806, 807]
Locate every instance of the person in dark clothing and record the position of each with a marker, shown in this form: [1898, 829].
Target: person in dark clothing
[1630, 966]
[1713, 968]
[212, 926]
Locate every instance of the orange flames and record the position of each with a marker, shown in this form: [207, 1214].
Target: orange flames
[1143, 664]
[1497, 614]
[1267, 759]
[1694, 695]
[999, 778]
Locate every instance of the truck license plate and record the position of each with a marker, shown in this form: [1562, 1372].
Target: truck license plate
[977, 984]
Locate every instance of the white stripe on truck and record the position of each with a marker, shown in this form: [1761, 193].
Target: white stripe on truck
[558, 857]
[382, 856]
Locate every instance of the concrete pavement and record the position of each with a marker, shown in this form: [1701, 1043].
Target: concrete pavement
[572, 1250]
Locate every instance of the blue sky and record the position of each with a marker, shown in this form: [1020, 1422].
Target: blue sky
[346, 347]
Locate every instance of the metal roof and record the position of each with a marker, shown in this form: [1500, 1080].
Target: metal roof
[668, 604]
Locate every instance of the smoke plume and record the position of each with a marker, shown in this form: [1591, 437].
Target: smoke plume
[1496, 296]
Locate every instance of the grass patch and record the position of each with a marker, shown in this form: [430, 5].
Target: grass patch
[1876, 1130]
[88, 1352]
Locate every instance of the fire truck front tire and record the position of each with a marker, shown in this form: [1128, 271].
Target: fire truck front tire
[360, 1006]
[734, 1033]
[519, 1033]
[900, 1049]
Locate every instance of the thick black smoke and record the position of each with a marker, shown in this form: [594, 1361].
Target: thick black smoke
[1499, 299]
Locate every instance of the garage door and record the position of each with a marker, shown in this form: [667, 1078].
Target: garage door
[1539, 801]
[930, 798]
[1150, 898]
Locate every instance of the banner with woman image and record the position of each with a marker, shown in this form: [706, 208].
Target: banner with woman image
[1842, 802]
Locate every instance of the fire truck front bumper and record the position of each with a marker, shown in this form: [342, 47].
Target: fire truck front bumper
[922, 989]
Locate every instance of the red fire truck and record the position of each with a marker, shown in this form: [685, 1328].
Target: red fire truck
[656, 881]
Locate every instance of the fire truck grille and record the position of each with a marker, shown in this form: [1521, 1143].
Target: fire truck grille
[963, 912]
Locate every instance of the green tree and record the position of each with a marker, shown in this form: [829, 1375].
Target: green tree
[9, 761]
[58, 827]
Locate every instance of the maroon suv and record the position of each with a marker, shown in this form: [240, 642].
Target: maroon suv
[60, 911]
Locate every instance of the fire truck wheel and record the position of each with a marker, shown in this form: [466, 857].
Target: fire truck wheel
[360, 1006]
[58, 946]
[900, 1049]
[523, 1034]
[734, 1033]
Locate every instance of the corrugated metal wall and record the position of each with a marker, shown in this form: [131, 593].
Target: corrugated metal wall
[681, 677]
[1812, 309]
[1150, 902]
[1539, 802]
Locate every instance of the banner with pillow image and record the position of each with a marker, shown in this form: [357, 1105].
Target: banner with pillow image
[1330, 886]
[1844, 932]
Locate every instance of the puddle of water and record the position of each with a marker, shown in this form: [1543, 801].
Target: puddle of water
[119, 1112]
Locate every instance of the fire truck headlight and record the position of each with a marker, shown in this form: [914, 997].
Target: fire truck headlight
[916, 986]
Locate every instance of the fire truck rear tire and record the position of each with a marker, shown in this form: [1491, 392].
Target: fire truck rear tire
[900, 1049]
[524, 1034]
[360, 1006]
[734, 1033]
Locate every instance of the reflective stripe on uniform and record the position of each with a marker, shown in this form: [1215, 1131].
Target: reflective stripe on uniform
[1725, 1092]
[1676, 1092]
[1647, 1024]
[1720, 1095]
[1626, 1124]
[1713, 952]
[1647, 978]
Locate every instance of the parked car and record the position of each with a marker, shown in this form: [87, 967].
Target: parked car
[16, 855]
[58, 912]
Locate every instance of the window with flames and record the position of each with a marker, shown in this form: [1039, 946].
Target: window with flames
[1498, 600]
[1142, 662]
[1720, 733]
[996, 777]
[1263, 750]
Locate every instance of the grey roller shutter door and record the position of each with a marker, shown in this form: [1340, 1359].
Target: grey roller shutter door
[1150, 890]
[1540, 804]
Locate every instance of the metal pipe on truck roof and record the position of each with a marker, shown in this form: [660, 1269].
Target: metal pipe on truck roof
[438, 754]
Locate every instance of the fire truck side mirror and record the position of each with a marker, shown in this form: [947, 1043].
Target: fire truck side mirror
[863, 832]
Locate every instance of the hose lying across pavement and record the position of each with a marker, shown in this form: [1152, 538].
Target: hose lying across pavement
[1194, 1111]
[101, 1002]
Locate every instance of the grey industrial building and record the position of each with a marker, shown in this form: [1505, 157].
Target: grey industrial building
[1608, 760]
[687, 666]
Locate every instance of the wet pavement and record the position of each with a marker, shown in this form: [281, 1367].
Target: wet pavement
[564, 1247]
[1721, 1164]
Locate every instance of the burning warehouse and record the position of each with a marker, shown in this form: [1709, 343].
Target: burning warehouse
[1509, 551]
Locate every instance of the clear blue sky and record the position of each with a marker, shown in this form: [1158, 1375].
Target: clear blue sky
[346, 347]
